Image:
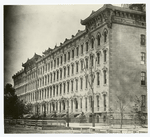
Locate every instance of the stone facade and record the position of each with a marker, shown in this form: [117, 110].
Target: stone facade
[56, 81]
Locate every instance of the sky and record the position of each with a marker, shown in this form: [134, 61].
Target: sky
[30, 29]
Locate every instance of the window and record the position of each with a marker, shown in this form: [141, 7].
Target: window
[76, 84]
[77, 67]
[105, 35]
[104, 102]
[143, 78]
[72, 85]
[92, 60]
[64, 58]
[105, 79]
[98, 39]
[72, 54]
[53, 91]
[64, 87]
[86, 61]
[64, 71]
[143, 102]
[72, 68]
[60, 73]
[97, 101]
[51, 64]
[68, 56]
[92, 43]
[142, 58]
[81, 65]
[68, 70]
[81, 103]
[54, 76]
[98, 58]
[57, 75]
[61, 59]
[85, 104]
[57, 61]
[143, 39]
[87, 46]
[105, 56]
[98, 79]
[77, 49]
[81, 83]
[86, 81]
[60, 88]
[81, 49]
[57, 90]
[68, 86]
[51, 77]
[54, 63]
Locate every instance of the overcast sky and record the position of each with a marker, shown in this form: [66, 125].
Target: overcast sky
[33, 29]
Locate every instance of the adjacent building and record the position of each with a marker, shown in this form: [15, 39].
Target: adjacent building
[114, 43]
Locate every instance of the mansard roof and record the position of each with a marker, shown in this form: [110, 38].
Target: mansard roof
[109, 6]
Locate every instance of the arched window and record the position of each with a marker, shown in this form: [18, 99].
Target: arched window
[104, 102]
[57, 90]
[81, 49]
[68, 86]
[86, 63]
[76, 103]
[68, 70]
[73, 54]
[87, 46]
[72, 65]
[64, 71]
[86, 81]
[61, 59]
[105, 55]
[81, 64]
[77, 51]
[57, 61]
[64, 87]
[105, 77]
[77, 67]
[105, 35]
[76, 84]
[54, 76]
[68, 56]
[64, 58]
[57, 75]
[60, 73]
[98, 79]
[92, 60]
[54, 63]
[81, 83]
[98, 58]
[53, 91]
[98, 39]
[60, 89]
[92, 43]
[85, 104]
[72, 85]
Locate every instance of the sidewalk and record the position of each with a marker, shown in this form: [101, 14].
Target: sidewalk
[31, 130]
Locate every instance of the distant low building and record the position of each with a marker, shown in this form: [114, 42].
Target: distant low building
[55, 82]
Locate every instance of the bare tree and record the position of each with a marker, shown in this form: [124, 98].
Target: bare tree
[90, 76]
[137, 112]
[122, 107]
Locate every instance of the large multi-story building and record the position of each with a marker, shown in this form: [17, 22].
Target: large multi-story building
[114, 43]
